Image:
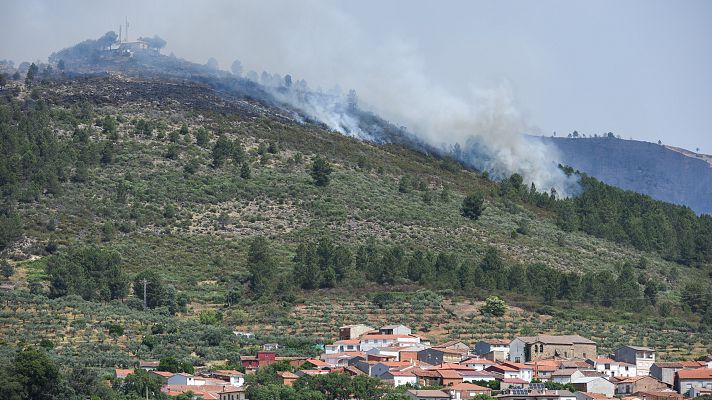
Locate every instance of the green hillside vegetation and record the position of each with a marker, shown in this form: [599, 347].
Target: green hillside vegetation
[254, 223]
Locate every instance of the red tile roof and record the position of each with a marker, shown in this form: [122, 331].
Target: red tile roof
[347, 341]
[475, 360]
[449, 374]
[457, 367]
[318, 363]
[468, 386]
[206, 391]
[693, 364]
[229, 372]
[595, 395]
[451, 343]
[515, 381]
[517, 365]
[476, 373]
[428, 373]
[314, 371]
[396, 372]
[699, 373]
[429, 393]
[501, 368]
[122, 373]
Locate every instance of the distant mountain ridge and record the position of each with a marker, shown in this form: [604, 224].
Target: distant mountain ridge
[665, 173]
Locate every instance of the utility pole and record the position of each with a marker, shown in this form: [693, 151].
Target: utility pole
[145, 306]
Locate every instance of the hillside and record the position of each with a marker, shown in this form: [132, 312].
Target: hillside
[662, 172]
[178, 179]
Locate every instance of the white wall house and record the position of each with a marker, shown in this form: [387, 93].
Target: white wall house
[341, 346]
[477, 363]
[368, 342]
[395, 330]
[595, 384]
[489, 345]
[642, 357]
[566, 376]
[526, 373]
[610, 367]
[185, 379]
[400, 378]
[474, 376]
[688, 379]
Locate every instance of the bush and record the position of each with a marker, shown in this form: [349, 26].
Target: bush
[494, 306]
[320, 171]
[473, 206]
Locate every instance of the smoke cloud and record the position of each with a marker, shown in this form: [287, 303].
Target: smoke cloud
[390, 79]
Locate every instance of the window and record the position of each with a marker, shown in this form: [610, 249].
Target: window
[607, 366]
[536, 349]
[541, 348]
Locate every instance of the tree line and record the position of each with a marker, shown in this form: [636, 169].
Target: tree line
[675, 232]
[322, 264]
[97, 274]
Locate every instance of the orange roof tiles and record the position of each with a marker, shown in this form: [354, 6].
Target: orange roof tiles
[449, 374]
[517, 365]
[467, 386]
[596, 395]
[457, 367]
[475, 360]
[693, 364]
[396, 372]
[318, 363]
[502, 368]
[699, 373]
[515, 381]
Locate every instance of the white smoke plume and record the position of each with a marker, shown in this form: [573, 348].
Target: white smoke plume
[390, 79]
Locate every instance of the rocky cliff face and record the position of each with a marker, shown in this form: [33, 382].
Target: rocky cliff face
[668, 174]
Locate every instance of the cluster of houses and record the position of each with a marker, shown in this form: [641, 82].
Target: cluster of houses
[519, 369]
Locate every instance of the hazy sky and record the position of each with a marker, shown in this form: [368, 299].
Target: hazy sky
[642, 69]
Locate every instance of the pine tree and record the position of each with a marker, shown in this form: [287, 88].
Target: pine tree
[320, 171]
[221, 151]
[245, 171]
[473, 206]
[261, 267]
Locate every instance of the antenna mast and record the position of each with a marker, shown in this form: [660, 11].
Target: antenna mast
[120, 33]
[126, 34]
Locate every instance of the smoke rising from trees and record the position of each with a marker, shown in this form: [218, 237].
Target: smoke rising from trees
[415, 65]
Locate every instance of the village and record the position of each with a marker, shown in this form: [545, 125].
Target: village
[541, 367]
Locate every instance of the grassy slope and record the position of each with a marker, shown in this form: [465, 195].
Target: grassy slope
[201, 257]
